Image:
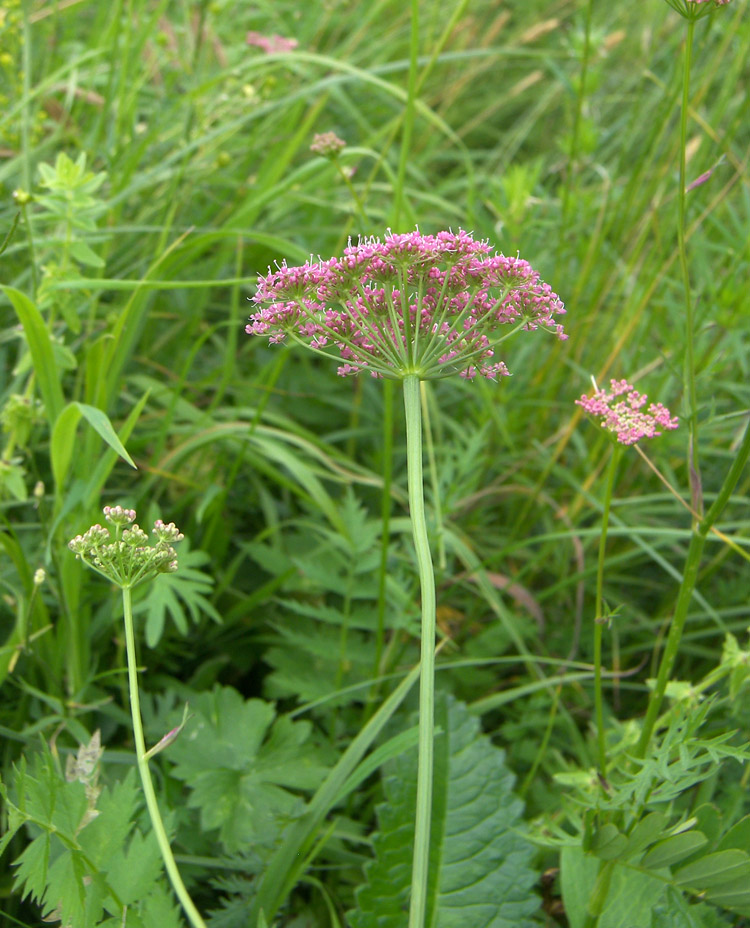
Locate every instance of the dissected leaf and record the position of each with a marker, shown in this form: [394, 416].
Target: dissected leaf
[480, 862]
[245, 768]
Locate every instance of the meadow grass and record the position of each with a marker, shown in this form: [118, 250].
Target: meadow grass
[550, 128]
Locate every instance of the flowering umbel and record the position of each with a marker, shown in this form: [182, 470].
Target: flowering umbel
[127, 559]
[413, 304]
[696, 9]
[621, 411]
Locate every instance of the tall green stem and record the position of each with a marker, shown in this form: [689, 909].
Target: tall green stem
[599, 619]
[575, 138]
[148, 787]
[689, 577]
[689, 366]
[420, 867]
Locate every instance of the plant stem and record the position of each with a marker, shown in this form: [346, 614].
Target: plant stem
[148, 787]
[576, 133]
[420, 866]
[689, 367]
[385, 517]
[684, 596]
[599, 619]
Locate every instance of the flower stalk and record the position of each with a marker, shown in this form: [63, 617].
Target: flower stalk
[600, 620]
[128, 560]
[420, 868]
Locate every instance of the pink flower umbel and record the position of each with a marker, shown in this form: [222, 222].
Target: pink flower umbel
[271, 44]
[694, 10]
[413, 304]
[327, 144]
[621, 411]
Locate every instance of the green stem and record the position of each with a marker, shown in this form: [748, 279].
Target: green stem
[599, 618]
[148, 787]
[385, 518]
[684, 596]
[689, 367]
[576, 133]
[599, 894]
[432, 464]
[420, 867]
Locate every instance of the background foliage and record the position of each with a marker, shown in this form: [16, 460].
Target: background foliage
[151, 164]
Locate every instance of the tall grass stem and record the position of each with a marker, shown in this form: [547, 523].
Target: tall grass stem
[685, 593]
[689, 366]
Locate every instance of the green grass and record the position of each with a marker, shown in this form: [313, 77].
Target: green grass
[273, 466]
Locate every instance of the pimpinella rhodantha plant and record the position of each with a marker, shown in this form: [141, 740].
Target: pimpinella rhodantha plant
[410, 308]
[623, 414]
[127, 560]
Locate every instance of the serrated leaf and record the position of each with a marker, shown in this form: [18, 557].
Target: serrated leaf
[104, 838]
[479, 860]
[132, 874]
[714, 870]
[66, 892]
[673, 849]
[32, 864]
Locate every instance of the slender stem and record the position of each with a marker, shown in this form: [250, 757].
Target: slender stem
[599, 619]
[432, 464]
[148, 787]
[689, 367]
[420, 867]
[576, 133]
[599, 894]
[385, 518]
[684, 596]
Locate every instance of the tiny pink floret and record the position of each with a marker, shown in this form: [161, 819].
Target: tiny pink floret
[621, 411]
[430, 305]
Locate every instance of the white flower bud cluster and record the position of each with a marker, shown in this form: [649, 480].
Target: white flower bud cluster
[127, 559]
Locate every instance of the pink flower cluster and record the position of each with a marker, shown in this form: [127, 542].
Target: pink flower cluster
[626, 417]
[693, 10]
[271, 44]
[430, 305]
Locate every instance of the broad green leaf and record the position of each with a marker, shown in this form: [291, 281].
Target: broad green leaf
[609, 842]
[480, 862]
[244, 767]
[42, 354]
[738, 836]
[715, 869]
[648, 831]
[674, 849]
[631, 898]
[84, 254]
